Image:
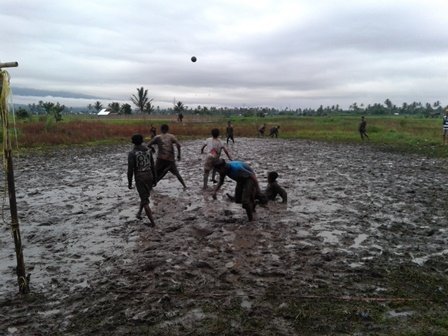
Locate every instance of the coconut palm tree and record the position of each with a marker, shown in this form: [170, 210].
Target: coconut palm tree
[98, 106]
[148, 107]
[179, 107]
[141, 100]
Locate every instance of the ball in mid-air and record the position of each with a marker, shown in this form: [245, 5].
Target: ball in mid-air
[194, 59]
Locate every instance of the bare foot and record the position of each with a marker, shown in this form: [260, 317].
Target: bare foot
[230, 197]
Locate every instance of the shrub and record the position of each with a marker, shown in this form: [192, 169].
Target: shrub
[21, 113]
[49, 123]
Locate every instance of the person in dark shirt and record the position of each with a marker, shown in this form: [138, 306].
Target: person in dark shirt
[261, 130]
[274, 131]
[363, 128]
[273, 188]
[141, 166]
[229, 132]
[247, 187]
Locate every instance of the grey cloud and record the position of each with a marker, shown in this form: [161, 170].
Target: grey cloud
[342, 50]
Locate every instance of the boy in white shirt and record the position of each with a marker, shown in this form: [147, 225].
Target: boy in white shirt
[215, 147]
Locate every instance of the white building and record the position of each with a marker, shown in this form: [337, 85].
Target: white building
[104, 112]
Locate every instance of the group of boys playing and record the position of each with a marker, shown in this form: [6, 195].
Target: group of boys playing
[147, 174]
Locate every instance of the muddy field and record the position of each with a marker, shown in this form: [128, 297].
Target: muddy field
[360, 248]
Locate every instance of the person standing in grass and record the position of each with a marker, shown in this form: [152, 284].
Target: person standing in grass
[261, 130]
[152, 131]
[215, 147]
[141, 166]
[229, 132]
[165, 158]
[445, 126]
[363, 128]
[274, 131]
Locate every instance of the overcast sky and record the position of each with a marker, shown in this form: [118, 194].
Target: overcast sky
[279, 53]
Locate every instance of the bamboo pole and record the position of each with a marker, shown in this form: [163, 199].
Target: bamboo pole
[9, 65]
[22, 278]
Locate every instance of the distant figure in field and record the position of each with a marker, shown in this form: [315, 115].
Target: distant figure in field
[363, 128]
[274, 132]
[180, 117]
[141, 166]
[261, 130]
[165, 158]
[229, 132]
[247, 188]
[215, 147]
[152, 131]
[445, 126]
[273, 188]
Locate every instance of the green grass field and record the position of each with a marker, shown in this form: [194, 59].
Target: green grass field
[400, 133]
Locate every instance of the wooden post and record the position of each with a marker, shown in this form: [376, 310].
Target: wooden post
[23, 279]
[9, 65]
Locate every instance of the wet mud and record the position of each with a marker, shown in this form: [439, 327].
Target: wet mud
[353, 215]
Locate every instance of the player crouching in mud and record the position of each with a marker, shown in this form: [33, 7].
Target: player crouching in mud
[273, 189]
[247, 188]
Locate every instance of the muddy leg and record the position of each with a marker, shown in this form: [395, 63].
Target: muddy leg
[206, 174]
[161, 174]
[149, 215]
[181, 180]
[249, 212]
[139, 213]
[175, 172]
[213, 176]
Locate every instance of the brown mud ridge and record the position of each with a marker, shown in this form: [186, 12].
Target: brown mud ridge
[359, 248]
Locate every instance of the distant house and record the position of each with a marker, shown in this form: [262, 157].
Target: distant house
[104, 112]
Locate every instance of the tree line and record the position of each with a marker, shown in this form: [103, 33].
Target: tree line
[144, 105]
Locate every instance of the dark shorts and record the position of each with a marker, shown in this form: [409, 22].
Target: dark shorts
[245, 192]
[143, 183]
[164, 166]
